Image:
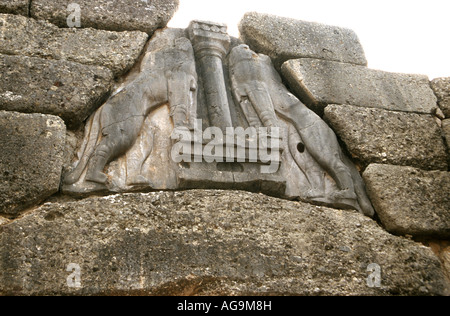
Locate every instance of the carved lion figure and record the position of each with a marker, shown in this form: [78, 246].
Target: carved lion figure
[167, 76]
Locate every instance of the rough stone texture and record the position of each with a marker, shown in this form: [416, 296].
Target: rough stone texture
[441, 87]
[208, 243]
[31, 158]
[3, 221]
[58, 87]
[74, 140]
[442, 249]
[410, 201]
[446, 134]
[397, 138]
[15, 6]
[283, 39]
[117, 15]
[320, 82]
[446, 129]
[117, 51]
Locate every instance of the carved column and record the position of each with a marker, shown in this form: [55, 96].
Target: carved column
[211, 44]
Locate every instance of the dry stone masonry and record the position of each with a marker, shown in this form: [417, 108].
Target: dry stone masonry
[204, 242]
[418, 208]
[441, 87]
[31, 158]
[15, 6]
[332, 171]
[118, 15]
[398, 138]
[446, 129]
[284, 39]
[321, 82]
[117, 51]
[67, 89]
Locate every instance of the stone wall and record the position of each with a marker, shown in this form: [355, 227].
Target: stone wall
[395, 127]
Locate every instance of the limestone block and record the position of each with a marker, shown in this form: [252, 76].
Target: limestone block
[397, 138]
[15, 7]
[31, 158]
[446, 130]
[441, 87]
[208, 243]
[320, 82]
[67, 89]
[410, 201]
[117, 15]
[117, 51]
[283, 39]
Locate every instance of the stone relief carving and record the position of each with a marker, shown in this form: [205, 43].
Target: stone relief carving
[166, 77]
[200, 78]
[258, 88]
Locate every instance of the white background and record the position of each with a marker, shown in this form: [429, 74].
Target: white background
[408, 36]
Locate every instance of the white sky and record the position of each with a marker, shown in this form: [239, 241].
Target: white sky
[409, 36]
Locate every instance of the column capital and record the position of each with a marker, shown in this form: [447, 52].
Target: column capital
[209, 38]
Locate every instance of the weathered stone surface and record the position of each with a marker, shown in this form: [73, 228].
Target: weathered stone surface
[74, 140]
[30, 159]
[58, 87]
[446, 129]
[117, 15]
[320, 82]
[441, 87]
[15, 6]
[117, 51]
[283, 39]
[442, 249]
[3, 221]
[258, 87]
[208, 243]
[410, 201]
[397, 138]
[133, 128]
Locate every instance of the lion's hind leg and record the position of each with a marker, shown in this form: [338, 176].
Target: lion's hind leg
[98, 161]
[117, 140]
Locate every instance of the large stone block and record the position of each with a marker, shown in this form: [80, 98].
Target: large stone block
[117, 51]
[58, 87]
[410, 201]
[320, 82]
[441, 87]
[397, 138]
[117, 15]
[31, 158]
[15, 7]
[208, 243]
[283, 39]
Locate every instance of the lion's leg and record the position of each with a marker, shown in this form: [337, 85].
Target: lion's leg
[117, 140]
[98, 161]
[137, 157]
[322, 144]
[263, 105]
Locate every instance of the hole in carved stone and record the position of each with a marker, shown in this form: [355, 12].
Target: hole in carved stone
[301, 147]
[230, 167]
[185, 165]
